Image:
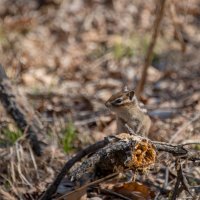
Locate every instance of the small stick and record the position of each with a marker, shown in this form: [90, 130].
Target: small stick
[181, 182]
[178, 182]
[148, 57]
[166, 178]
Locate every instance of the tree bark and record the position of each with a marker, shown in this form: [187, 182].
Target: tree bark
[22, 113]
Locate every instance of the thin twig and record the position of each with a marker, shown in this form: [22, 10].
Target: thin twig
[190, 143]
[166, 177]
[148, 57]
[178, 182]
[181, 182]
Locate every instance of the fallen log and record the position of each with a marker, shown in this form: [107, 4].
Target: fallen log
[21, 112]
[117, 153]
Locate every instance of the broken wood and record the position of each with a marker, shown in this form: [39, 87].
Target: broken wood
[117, 153]
[21, 112]
[124, 151]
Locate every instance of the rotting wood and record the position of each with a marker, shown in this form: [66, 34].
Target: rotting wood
[131, 152]
[21, 112]
[116, 153]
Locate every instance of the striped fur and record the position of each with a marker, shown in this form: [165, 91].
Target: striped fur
[129, 111]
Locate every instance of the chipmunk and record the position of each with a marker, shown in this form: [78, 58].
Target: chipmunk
[128, 112]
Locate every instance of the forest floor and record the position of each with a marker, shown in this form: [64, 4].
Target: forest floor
[69, 56]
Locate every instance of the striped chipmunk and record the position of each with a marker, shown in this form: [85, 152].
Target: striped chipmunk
[130, 116]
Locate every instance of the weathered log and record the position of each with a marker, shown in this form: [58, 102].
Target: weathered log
[18, 108]
[124, 152]
[116, 153]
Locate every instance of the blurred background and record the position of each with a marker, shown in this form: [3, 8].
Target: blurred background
[69, 56]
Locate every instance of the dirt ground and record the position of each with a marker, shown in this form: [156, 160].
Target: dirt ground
[67, 57]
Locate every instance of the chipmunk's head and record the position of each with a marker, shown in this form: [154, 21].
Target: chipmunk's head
[121, 100]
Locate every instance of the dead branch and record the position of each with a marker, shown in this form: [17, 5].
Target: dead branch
[127, 151]
[181, 182]
[20, 111]
[148, 57]
[117, 153]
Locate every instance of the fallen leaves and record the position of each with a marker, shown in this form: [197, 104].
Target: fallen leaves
[135, 190]
[71, 56]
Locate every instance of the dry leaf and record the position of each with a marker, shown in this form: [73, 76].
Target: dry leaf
[135, 190]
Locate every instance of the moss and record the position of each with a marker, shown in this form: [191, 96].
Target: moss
[69, 136]
[121, 50]
[10, 136]
[197, 147]
[3, 38]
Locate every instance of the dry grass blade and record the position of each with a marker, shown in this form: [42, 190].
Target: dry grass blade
[6, 195]
[20, 165]
[34, 162]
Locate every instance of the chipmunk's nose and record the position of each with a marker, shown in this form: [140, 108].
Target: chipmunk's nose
[107, 104]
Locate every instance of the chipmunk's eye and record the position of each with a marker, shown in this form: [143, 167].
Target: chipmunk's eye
[118, 101]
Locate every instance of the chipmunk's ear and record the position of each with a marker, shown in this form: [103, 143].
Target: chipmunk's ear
[125, 88]
[131, 95]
